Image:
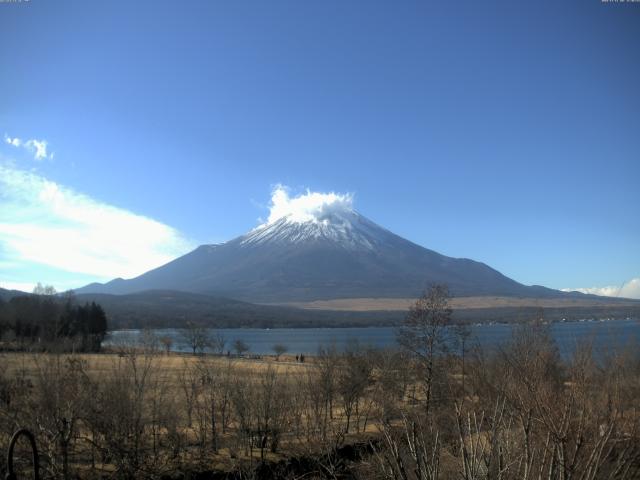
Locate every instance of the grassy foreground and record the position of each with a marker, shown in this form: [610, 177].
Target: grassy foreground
[515, 412]
[147, 413]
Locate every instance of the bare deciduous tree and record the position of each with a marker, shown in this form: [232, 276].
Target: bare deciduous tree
[167, 343]
[279, 349]
[354, 376]
[424, 333]
[196, 337]
[241, 347]
[218, 342]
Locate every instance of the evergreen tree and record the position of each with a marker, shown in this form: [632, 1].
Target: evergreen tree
[46, 319]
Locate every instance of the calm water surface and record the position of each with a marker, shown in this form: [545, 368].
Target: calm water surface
[605, 335]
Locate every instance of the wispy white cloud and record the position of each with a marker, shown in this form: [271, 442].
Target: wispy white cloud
[37, 148]
[309, 206]
[630, 289]
[44, 223]
[16, 142]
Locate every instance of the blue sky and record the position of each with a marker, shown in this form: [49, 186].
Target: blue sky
[507, 132]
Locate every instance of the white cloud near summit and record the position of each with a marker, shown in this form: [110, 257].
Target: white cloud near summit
[44, 223]
[37, 148]
[307, 206]
[630, 289]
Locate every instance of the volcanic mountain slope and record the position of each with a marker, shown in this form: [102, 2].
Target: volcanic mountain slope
[334, 254]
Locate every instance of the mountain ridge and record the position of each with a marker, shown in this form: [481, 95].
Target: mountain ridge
[336, 254]
[172, 309]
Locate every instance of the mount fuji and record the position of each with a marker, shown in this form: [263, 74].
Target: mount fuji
[329, 251]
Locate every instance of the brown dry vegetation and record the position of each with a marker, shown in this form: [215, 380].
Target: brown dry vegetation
[519, 412]
[142, 413]
[461, 303]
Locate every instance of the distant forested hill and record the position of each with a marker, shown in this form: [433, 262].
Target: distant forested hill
[162, 308]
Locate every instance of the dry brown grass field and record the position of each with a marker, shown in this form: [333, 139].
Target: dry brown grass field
[172, 365]
[167, 402]
[138, 412]
[402, 304]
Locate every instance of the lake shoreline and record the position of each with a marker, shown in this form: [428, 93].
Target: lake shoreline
[603, 334]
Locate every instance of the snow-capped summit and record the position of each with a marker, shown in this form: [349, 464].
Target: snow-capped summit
[316, 218]
[346, 229]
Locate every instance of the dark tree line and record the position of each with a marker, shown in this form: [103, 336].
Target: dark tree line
[48, 320]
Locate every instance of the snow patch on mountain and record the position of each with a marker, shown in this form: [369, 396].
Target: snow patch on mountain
[340, 227]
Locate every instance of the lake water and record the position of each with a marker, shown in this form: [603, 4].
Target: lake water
[605, 335]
